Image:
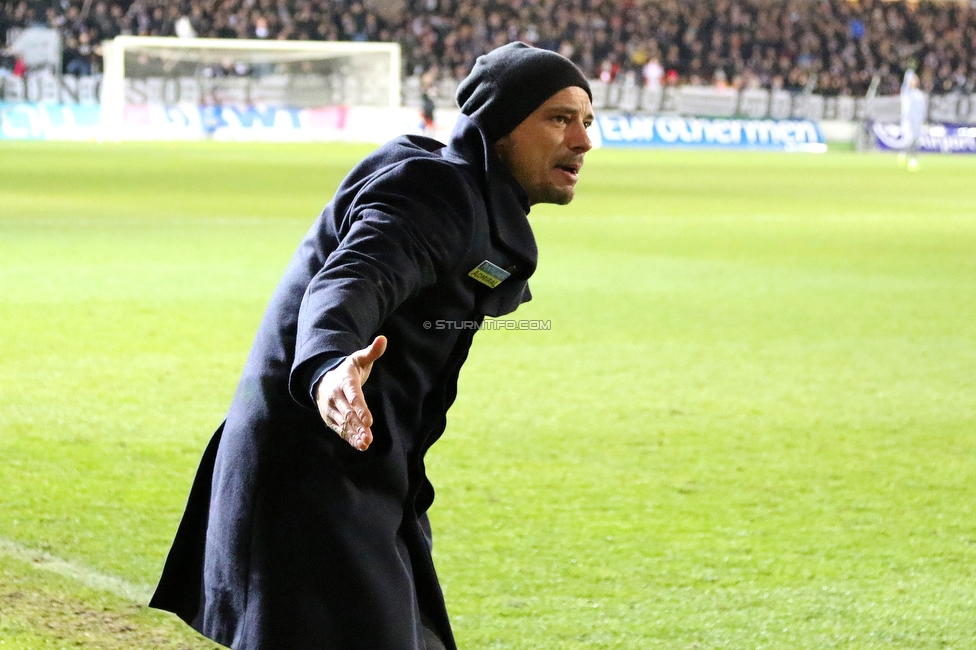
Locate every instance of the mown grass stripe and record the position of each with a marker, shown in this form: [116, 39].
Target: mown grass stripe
[87, 576]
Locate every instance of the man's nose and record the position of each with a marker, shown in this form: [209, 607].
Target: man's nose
[579, 140]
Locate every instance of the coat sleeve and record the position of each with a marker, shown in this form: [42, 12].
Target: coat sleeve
[404, 230]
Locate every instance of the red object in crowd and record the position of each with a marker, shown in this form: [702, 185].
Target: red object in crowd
[608, 71]
[671, 77]
[19, 68]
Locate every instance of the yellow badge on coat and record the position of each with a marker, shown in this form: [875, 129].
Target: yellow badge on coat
[489, 274]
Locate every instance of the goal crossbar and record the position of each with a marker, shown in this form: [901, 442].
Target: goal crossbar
[213, 51]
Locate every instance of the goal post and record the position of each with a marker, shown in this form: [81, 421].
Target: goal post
[153, 70]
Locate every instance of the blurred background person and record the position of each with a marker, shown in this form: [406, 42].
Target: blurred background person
[912, 119]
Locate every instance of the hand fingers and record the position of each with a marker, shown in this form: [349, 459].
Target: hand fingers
[343, 419]
[353, 392]
[342, 404]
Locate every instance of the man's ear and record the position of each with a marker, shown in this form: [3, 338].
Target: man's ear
[501, 146]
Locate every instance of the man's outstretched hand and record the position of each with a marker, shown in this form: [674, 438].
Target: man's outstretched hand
[339, 395]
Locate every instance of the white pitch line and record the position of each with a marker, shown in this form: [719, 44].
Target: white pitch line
[78, 572]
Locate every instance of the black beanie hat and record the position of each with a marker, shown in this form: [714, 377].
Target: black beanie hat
[509, 83]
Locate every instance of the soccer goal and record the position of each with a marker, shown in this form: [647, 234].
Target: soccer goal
[147, 70]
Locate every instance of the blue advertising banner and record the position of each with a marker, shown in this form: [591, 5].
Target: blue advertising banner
[699, 132]
[247, 123]
[49, 121]
[935, 138]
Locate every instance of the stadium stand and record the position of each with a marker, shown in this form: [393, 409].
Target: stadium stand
[832, 47]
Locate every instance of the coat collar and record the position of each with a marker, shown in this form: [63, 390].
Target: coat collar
[508, 204]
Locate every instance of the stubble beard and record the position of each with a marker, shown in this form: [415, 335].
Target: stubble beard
[553, 194]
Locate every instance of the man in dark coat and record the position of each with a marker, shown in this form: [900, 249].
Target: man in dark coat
[306, 526]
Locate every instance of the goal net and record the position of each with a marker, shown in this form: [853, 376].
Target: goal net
[144, 70]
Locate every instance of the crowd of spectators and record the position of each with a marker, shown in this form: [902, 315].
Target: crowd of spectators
[832, 46]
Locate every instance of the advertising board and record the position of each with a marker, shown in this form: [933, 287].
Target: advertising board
[41, 121]
[715, 133]
[935, 138]
[23, 121]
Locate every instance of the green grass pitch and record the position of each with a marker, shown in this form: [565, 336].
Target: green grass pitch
[750, 424]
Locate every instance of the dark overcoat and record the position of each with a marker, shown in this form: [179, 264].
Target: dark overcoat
[291, 538]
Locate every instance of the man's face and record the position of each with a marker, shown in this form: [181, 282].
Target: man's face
[545, 152]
